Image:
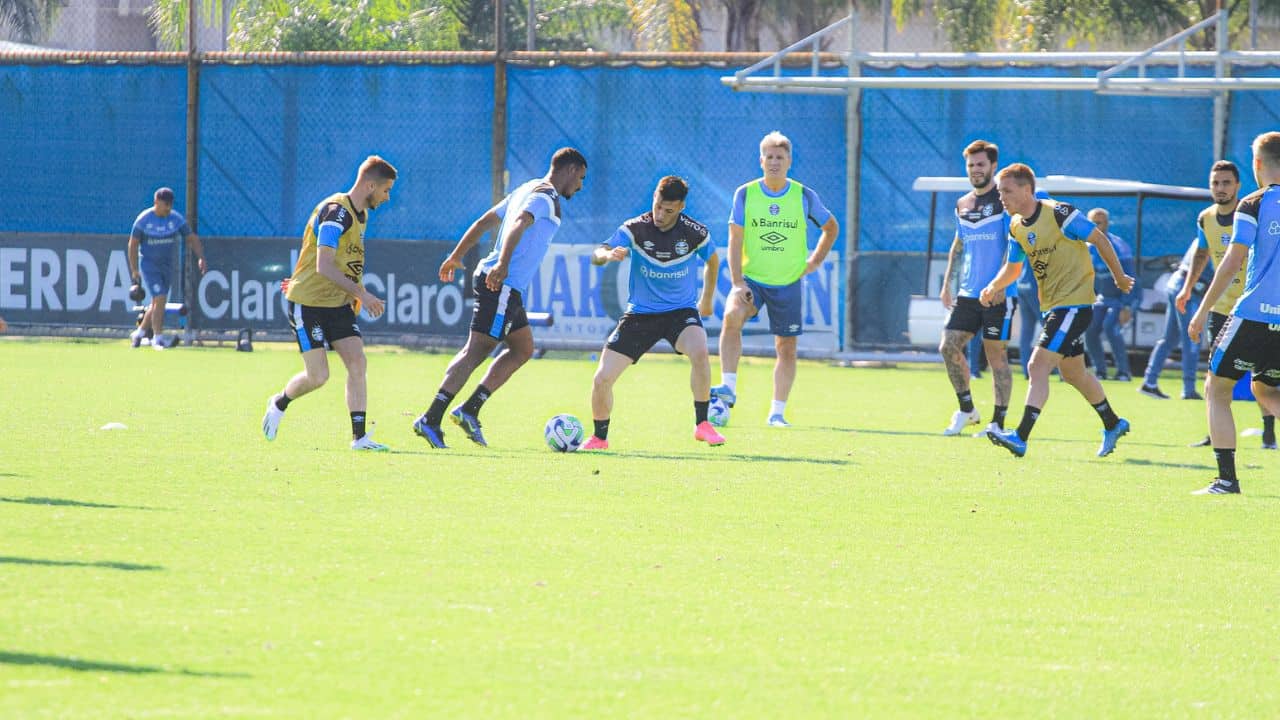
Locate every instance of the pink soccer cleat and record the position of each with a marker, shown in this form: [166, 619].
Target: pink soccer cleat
[706, 432]
[595, 443]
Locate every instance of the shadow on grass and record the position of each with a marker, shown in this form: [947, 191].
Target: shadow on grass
[69, 503]
[713, 455]
[1156, 463]
[71, 663]
[9, 474]
[110, 565]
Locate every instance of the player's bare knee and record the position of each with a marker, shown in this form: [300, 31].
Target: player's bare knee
[317, 377]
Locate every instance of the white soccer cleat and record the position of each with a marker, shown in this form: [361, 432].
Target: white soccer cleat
[367, 443]
[136, 337]
[158, 343]
[271, 421]
[991, 427]
[960, 420]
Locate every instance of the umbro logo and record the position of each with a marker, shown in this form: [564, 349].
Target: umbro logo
[773, 238]
[793, 327]
[691, 321]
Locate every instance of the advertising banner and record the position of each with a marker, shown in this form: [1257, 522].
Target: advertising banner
[84, 280]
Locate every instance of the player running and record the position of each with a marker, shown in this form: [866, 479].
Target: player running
[1055, 237]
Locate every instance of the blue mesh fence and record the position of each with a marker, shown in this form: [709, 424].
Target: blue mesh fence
[277, 139]
[88, 143]
[637, 124]
[83, 147]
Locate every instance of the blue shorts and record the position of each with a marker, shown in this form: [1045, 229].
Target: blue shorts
[155, 280]
[785, 304]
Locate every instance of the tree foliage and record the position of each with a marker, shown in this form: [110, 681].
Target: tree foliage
[28, 20]
[666, 25]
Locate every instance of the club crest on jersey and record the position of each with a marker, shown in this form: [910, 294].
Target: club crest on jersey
[774, 209]
[1226, 239]
[682, 247]
[987, 210]
[1031, 238]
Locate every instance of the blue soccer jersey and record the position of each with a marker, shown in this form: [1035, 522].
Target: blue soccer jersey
[1257, 227]
[663, 263]
[982, 226]
[540, 199]
[157, 237]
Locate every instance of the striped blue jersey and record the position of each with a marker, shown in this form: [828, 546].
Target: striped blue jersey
[158, 236]
[983, 227]
[540, 199]
[1257, 227]
[663, 263]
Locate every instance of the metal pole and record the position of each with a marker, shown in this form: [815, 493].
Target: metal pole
[853, 176]
[530, 36]
[1253, 24]
[928, 250]
[1137, 271]
[498, 148]
[193, 153]
[1220, 71]
[886, 11]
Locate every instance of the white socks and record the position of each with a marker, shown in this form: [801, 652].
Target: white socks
[729, 380]
[778, 407]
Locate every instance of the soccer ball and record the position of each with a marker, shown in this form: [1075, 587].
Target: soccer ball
[564, 433]
[718, 412]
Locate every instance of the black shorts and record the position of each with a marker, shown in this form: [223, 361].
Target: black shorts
[1217, 321]
[637, 332]
[320, 327]
[1247, 346]
[994, 322]
[1064, 328]
[497, 314]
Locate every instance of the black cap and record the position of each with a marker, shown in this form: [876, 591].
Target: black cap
[165, 194]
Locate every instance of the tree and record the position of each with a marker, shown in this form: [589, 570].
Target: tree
[558, 24]
[28, 20]
[275, 25]
[742, 25]
[666, 25]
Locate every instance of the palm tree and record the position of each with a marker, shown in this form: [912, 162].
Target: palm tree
[27, 20]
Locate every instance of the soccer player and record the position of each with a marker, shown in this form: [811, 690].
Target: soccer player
[1175, 331]
[664, 245]
[1055, 237]
[1250, 340]
[325, 293]
[768, 258]
[978, 251]
[526, 219]
[155, 234]
[1213, 237]
[1112, 309]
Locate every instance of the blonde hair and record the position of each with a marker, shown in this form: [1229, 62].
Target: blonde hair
[1266, 148]
[775, 139]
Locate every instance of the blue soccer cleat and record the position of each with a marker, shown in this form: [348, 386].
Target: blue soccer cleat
[728, 396]
[431, 433]
[1112, 436]
[470, 425]
[1009, 440]
[777, 421]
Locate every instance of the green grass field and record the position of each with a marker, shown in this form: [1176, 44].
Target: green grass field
[855, 565]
